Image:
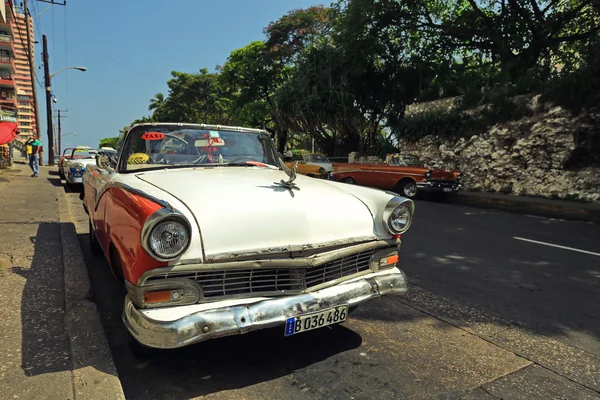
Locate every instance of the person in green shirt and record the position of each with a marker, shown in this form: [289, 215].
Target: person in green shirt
[34, 157]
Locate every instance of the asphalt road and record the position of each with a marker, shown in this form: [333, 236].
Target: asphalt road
[489, 316]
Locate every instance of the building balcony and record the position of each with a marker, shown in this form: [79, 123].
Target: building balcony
[7, 82]
[7, 44]
[6, 26]
[6, 62]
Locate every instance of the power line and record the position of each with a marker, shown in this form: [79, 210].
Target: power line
[53, 41]
[66, 61]
[109, 59]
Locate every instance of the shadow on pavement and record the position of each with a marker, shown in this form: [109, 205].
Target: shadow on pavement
[45, 347]
[45, 344]
[73, 188]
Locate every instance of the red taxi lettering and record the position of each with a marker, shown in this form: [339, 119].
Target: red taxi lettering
[153, 136]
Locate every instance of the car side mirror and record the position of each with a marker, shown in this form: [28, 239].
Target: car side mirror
[104, 162]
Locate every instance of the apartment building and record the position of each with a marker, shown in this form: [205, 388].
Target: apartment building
[16, 82]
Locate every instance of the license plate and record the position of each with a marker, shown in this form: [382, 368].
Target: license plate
[308, 322]
[447, 189]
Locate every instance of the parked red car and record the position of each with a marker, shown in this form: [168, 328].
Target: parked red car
[405, 174]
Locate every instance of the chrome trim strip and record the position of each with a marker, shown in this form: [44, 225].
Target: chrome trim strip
[234, 320]
[391, 206]
[287, 262]
[154, 219]
[293, 251]
[376, 171]
[200, 126]
[120, 185]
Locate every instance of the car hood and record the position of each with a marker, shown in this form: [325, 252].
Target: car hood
[241, 212]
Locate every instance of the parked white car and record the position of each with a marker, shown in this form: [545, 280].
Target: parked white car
[76, 164]
[214, 236]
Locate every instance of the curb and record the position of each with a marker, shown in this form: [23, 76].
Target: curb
[94, 372]
[527, 205]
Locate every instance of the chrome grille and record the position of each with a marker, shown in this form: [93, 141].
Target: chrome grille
[333, 270]
[256, 281]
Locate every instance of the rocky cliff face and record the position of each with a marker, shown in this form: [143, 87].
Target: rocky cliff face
[551, 154]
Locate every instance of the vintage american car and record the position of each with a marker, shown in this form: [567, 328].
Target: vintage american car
[313, 165]
[61, 162]
[405, 174]
[213, 236]
[76, 164]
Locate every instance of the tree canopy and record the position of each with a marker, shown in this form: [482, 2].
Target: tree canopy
[343, 74]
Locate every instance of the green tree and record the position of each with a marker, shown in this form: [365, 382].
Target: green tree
[195, 98]
[157, 101]
[108, 142]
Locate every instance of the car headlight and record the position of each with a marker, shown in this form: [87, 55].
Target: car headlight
[78, 167]
[166, 235]
[321, 170]
[459, 177]
[428, 174]
[398, 215]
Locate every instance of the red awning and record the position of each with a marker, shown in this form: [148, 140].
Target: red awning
[8, 131]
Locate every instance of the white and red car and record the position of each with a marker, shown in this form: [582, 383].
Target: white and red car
[213, 236]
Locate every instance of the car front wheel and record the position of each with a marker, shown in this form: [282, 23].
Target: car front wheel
[407, 188]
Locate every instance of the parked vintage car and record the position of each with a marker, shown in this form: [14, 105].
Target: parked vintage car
[311, 164]
[61, 162]
[214, 236]
[76, 164]
[405, 174]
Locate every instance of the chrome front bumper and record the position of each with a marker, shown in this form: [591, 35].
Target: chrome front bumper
[221, 321]
[437, 186]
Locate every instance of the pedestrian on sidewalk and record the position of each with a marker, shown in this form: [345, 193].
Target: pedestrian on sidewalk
[34, 156]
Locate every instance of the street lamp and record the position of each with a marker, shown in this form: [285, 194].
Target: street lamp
[48, 78]
[82, 69]
[59, 139]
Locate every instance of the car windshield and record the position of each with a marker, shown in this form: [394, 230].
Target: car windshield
[83, 153]
[149, 147]
[406, 160]
[317, 158]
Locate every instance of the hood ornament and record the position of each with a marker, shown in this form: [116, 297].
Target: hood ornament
[291, 173]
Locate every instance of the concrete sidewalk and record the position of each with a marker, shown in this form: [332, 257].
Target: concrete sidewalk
[52, 344]
[563, 209]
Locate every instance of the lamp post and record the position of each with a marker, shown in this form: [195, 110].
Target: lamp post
[60, 136]
[48, 78]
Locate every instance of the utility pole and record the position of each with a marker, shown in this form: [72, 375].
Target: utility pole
[48, 101]
[59, 135]
[59, 132]
[31, 58]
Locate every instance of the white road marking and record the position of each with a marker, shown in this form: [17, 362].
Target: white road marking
[558, 246]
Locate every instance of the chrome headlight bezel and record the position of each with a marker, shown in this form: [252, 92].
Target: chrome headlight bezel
[77, 167]
[428, 174]
[391, 206]
[158, 217]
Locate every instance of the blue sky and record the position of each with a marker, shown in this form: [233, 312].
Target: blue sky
[130, 48]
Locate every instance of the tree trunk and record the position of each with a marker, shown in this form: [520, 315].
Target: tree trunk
[282, 137]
